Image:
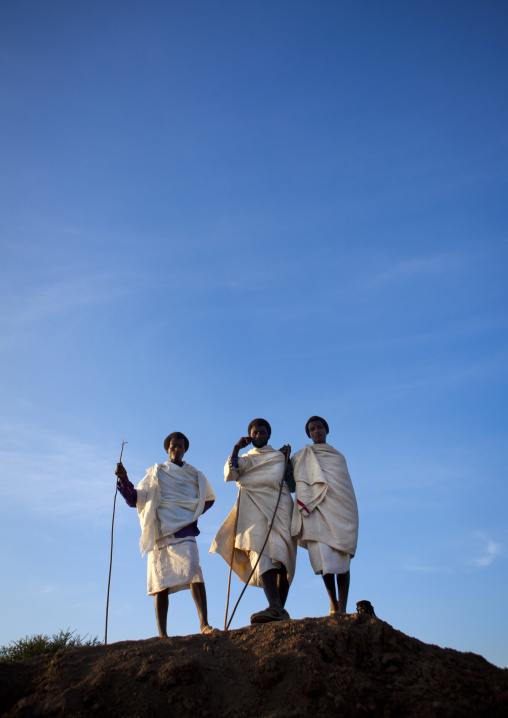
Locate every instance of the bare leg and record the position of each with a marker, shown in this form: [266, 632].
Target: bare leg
[269, 581]
[343, 587]
[329, 581]
[161, 612]
[198, 592]
[283, 585]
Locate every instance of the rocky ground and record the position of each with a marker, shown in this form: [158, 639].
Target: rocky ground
[352, 665]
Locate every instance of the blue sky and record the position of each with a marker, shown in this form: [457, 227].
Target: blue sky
[212, 211]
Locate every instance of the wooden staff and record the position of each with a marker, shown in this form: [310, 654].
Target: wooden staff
[232, 556]
[111, 554]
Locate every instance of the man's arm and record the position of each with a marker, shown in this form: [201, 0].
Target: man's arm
[126, 487]
[233, 459]
[289, 476]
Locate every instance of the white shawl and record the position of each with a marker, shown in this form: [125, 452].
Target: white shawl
[259, 475]
[325, 508]
[180, 494]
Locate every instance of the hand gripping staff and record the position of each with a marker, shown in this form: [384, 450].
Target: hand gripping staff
[226, 622]
[111, 554]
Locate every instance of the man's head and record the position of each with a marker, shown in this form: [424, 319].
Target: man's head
[259, 431]
[176, 444]
[316, 429]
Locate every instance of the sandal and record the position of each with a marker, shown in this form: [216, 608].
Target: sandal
[270, 614]
[209, 629]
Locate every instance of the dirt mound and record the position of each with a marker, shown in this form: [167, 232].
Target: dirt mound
[349, 666]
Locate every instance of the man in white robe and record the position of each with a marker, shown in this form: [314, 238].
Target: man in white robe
[325, 514]
[259, 473]
[169, 500]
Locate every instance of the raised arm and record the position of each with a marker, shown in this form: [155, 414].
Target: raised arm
[126, 487]
[232, 469]
[289, 476]
[241, 444]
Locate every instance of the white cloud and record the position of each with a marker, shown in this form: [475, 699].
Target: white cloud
[47, 590]
[76, 292]
[54, 475]
[465, 328]
[415, 267]
[480, 549]
[23, 307]
[441, 375]
[420, 568]
[486, 552]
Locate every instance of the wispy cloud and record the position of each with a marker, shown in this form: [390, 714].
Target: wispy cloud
[438, 375]
[464, 328]
[66, 292]
[65, 589]
[421, 568]
[53, 475]
[28, 306]
[45, 590]
[479, 549]
[414, 267]
[255, 274]
[486, 552]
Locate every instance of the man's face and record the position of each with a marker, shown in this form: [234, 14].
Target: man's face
[259, 436]
[317, 432]
[176, 450]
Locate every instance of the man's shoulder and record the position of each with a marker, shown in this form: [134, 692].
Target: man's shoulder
[326, 448]
[256, 457]
[264, 453]
[298, 454]
[190, 468]
[267, 449]
[152, 470]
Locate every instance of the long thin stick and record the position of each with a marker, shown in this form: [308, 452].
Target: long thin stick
[111, 554]
[266, 540]
[232, 556]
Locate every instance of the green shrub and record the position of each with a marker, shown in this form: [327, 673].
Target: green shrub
[39, 644]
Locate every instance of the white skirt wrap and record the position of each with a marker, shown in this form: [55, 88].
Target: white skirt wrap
[173, 564]
[325, 559]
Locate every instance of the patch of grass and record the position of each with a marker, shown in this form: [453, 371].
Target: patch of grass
[40, 644]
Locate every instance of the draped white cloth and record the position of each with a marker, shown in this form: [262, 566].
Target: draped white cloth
[173, 564]
[169, 498]
[325, 559]
[259, 475]
[325, 507]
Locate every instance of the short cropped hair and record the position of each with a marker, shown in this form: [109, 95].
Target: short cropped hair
[316, 418]
[260, 422]
[176, 435]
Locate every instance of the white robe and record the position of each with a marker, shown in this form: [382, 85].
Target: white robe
[169, 498]
[168, 502]
[259, 474]
[325, 508]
